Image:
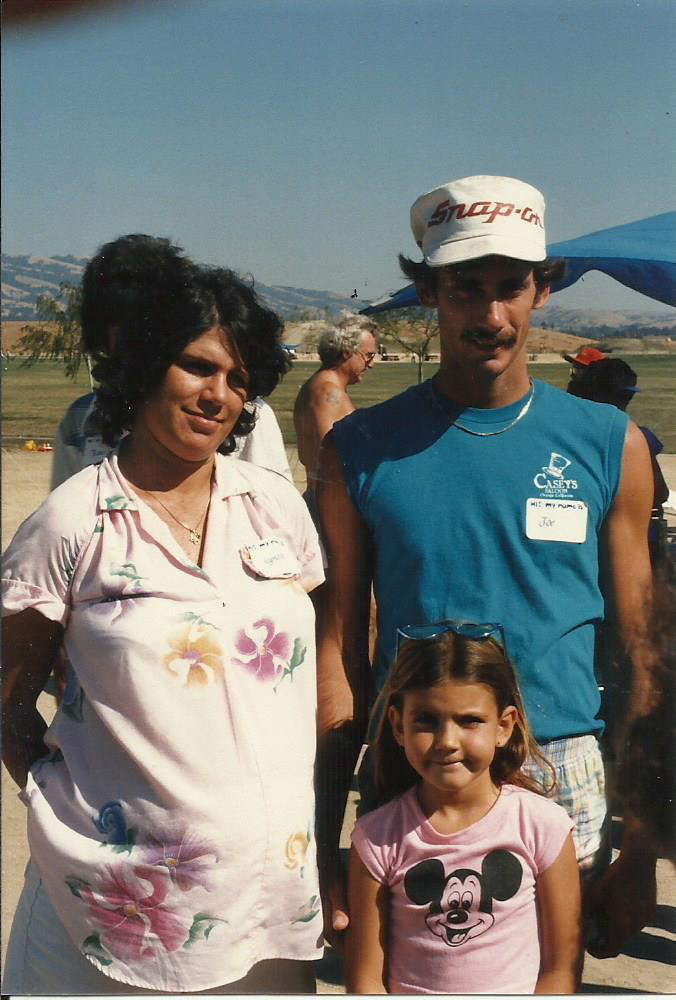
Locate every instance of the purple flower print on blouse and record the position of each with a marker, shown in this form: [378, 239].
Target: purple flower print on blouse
[189, 862]
[120, 592]
[267, 653]
[128, 909]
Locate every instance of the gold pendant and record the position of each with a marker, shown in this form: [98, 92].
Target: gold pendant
[195, 536]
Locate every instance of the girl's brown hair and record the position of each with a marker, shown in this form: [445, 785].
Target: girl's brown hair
[424, 663]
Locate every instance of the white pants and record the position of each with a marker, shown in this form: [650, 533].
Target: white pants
[42, 959]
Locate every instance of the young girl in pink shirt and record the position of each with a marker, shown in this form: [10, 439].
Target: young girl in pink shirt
[464, 880]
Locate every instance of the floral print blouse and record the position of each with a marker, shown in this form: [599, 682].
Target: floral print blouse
[173, 820]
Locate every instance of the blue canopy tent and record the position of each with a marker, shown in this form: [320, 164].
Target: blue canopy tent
[640, 255]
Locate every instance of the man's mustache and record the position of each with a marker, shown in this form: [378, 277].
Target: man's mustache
[487, 335]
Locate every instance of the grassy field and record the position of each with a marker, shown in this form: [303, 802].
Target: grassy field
[34, 399]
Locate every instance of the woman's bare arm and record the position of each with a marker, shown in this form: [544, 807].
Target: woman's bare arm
[30, 644]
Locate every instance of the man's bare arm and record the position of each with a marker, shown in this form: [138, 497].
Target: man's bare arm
[343, 671]
[632, 876]
[629, 565]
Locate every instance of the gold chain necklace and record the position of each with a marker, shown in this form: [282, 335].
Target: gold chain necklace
[194, 535]
[484, 434]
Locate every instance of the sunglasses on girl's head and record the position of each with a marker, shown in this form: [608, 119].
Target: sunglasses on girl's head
[468, 630]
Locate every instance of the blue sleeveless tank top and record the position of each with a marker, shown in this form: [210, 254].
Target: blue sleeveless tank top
[461, 526]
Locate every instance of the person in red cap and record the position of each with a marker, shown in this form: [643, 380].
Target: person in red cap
[580, 363]
[483, 495]
[586, 356]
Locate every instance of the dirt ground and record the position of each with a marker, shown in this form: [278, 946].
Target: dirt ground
[648, 964]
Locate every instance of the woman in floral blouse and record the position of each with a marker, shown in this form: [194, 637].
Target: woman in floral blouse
[170, 804]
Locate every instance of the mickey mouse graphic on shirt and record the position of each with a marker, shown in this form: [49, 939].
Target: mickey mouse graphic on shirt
[462, 902]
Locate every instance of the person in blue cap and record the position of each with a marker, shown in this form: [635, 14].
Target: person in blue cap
[613, 381]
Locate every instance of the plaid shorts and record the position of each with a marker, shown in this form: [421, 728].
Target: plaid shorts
[581, 790]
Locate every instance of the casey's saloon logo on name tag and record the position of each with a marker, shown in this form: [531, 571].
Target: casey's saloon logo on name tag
[272, 559]
[556, 520]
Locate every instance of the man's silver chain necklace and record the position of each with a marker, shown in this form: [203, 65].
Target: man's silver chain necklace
[485, 434]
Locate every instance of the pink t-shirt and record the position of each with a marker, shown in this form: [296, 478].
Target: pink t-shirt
[173, 822]
[463, 915]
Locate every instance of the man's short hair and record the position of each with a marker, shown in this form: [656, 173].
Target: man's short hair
[426, 278]
[342, 340]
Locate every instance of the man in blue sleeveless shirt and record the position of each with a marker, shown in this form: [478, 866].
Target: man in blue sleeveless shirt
[486, 496]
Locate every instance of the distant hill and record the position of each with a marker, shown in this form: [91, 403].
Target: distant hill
[24, 278]
[601, 324]
[554, 342]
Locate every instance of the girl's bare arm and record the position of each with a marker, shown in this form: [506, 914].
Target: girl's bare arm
[558, 897]
[366, 937]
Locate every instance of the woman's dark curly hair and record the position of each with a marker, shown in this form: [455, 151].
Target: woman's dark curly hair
[425, 663]
[153, 316]
[425, 277]
[119, 277]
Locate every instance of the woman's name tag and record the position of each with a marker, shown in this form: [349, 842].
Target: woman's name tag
[272, 559]
[556, 520]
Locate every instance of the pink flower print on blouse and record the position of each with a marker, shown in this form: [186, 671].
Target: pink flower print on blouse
[195, 655]
[190, 862]
[267, 652]
[128, 909]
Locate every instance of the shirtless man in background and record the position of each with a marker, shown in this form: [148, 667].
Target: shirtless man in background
[346, 352]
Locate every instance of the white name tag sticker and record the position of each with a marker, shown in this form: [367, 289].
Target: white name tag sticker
[556, 520]
[272, 559]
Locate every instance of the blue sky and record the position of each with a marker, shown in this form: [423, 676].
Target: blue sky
[288, 138]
